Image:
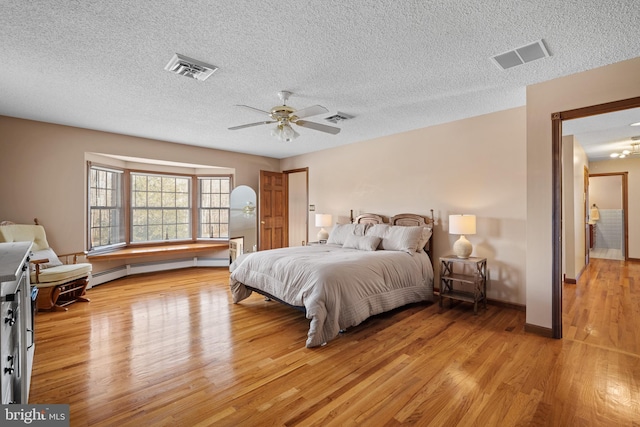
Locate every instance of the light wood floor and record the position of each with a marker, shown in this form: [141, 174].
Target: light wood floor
[606, 253]
[170, 349]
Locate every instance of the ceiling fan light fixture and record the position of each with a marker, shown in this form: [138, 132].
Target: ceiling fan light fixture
[284, 132]
[635, 150]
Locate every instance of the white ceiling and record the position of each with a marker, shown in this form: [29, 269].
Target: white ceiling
[394, 65]
[606, 133]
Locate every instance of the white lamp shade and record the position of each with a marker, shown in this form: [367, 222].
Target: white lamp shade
[462, 224]
[323, 220]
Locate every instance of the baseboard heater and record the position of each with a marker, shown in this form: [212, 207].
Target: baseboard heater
[150, 267]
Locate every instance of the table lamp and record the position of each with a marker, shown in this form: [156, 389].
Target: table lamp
[323, 220]
[462, 225]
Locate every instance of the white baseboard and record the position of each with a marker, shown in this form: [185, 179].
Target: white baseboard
[150, 267]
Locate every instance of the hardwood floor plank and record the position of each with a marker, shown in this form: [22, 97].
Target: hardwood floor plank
[171, 349]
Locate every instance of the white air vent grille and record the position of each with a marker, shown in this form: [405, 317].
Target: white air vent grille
[521, 55]
[338, 117]
[189, 67]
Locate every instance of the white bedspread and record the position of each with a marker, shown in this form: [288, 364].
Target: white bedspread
[339, 288]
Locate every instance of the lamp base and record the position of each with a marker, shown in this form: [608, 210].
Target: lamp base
[323, 235]
[462, 248]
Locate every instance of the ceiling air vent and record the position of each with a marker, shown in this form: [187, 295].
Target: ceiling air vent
[338, 117]
[189, 67]
[521, 55]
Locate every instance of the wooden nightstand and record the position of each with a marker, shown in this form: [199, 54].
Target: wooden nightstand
[324, 242]
[471, 280]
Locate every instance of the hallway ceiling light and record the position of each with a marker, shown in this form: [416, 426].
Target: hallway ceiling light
[635, 150]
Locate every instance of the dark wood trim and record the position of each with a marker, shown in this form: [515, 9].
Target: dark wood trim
[556, 228]
[297, 170]
[556, 170]
[594, 110]
[569, 281]
[538, 330]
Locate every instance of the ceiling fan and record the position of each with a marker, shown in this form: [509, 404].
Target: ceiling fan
[285, 115]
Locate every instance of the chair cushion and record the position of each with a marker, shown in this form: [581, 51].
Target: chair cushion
[25, 233]
[61, 274]
[49, 254]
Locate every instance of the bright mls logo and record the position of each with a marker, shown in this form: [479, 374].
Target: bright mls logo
[36, 415]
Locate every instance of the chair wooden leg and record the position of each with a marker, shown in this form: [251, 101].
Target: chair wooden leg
[47, 297]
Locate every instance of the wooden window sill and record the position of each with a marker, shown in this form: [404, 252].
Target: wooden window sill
[139, 252]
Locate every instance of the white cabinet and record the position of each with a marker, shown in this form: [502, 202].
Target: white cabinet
[17, 344]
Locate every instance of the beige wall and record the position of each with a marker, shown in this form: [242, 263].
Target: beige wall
[475, 166]
[597, 86]
[574, 161]
[43, 172]
[632, 166]
[606, 191]
[579, 162]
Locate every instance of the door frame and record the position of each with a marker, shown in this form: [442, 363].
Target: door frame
[625, 205]
[556, 202]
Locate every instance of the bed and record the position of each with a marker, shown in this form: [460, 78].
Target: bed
[366, 268]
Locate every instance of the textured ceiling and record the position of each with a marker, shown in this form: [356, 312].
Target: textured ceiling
[393, 65]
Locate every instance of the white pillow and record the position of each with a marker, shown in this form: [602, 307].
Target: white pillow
[424, 239]
[49, 254]
[362, 243]
[400, 238]
[339, 232]
[397, 238]
[379, 230]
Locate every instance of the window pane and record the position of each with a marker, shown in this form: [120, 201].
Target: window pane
[154, 200]
[213, 202]
[182, 200]
[106, 216]
[164, 195]
[168, 199]
[154, 183]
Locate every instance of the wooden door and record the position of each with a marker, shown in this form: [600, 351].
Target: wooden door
[273, 210]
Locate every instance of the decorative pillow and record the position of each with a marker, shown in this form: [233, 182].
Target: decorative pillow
[378, 230]
[339, 232]
[424, 239]
[397, 238]
[362, 243]
[49, 254]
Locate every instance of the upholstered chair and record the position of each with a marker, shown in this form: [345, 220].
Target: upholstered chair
[60, 279]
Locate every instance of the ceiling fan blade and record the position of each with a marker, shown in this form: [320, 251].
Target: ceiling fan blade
[317, 126]
[254, 108]
[248, 125]
[314, 110]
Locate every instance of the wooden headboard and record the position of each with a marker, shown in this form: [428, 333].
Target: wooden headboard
[369, 219]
